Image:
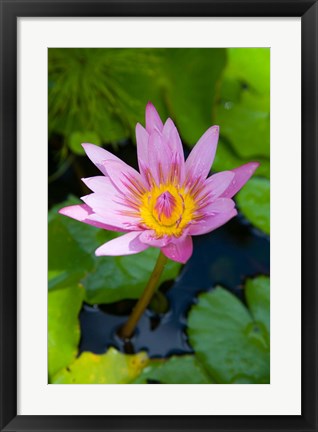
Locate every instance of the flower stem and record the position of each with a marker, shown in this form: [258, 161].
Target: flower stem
[127, 330]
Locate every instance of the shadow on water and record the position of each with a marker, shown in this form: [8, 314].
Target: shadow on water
[224, 257]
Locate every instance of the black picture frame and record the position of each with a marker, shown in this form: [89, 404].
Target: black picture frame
[10, 11]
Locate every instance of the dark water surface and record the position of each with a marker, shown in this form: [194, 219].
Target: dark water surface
[224, 257]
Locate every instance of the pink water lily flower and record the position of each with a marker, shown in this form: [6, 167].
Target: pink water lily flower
[168, 201]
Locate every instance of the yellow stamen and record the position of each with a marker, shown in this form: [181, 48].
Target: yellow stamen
[167, 209]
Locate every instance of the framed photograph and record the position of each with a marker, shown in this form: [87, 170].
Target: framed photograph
[158, 203]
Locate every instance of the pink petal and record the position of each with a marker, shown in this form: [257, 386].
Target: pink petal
[127, 244]
[142, 138]
[174, 140]
[210, 223]
[104, 203]
[242, 175]
[215, 185]
[126, 179]
[149, 237]
[95, 218]
[153, 121]
[159, 157]
[112, 210]
[84, 213]
[100, 184]
[220, 205]
[199, 161]
[170, 132]
[97, 155]
[180, 250]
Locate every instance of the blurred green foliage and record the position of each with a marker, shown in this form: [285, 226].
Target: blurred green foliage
[105, 91]
[98, 96]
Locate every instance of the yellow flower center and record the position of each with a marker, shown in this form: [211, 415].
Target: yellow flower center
[167, 209]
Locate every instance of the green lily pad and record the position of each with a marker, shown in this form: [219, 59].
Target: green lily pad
[63, 326]
[254, 202]
[71, 246]
[246, 125]
[124, 277]
[231, 89]
[231, 346]
[110, 368]
[72, 260]
[250, 66]
[175, 370]
[243, 109]
[193, 76]
[258, 299]
[67, 261]
[226, 159]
